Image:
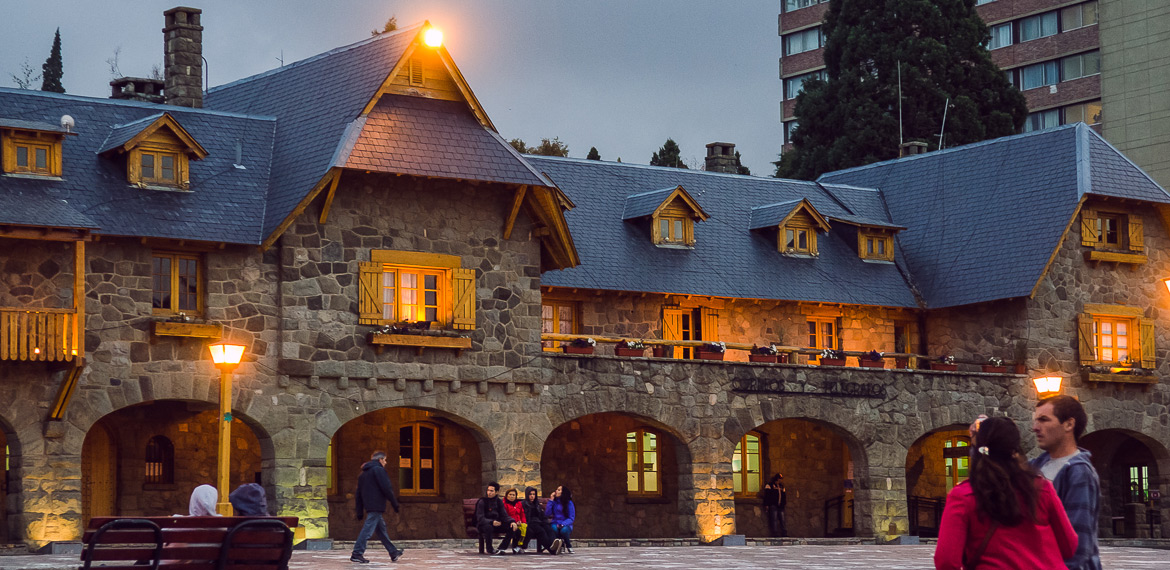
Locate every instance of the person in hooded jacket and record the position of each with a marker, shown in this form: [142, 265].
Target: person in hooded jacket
[515, 509]
[538, 526]
[373, 491]
[561, 514]
[491, 516]
[248, 500]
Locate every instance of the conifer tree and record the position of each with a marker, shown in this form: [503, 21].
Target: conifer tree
[52, 70]
[668, 155]
[851, 118]
[593, 154]
[739, 167]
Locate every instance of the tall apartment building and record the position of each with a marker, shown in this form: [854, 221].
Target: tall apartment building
[1103, 62]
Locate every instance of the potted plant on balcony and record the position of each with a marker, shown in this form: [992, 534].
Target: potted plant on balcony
[830, 357]
[712, 351]
[580, 346]
[995, 365]
[764, 354]
[1021, 356]
[662, 350]
[946, 362]
[872, 359]
[630, 348]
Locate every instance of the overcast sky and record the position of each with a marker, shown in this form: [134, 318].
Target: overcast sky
[621, 75]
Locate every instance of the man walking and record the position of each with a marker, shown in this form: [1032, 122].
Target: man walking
[1058, 423]
[490, 516]
[372, 493]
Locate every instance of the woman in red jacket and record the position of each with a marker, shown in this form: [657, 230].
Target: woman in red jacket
[1005, 515]
[515, 509]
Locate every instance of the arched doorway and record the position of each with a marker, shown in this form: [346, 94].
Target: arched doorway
[816, 460]
[434, 459]
[935, 463]
[145, 460]
[624, 472]
[1133, 470]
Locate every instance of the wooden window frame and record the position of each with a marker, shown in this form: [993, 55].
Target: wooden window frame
[817, 339]
[953, 459]
[416, 466]
[796, 228]
[637, 464]
[200, 290]
[51, 142]
[740, 482]
[1130, 230]
[1139, 334]
[556, 305]
[456, 298]
[442, 290]
[865, 239]
[1107, 327]
[157, 156]
[675, 224]
[162, 461]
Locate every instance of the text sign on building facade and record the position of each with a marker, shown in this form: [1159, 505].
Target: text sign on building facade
[834, 388]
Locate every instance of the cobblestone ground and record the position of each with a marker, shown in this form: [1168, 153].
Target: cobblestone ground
[646, 558]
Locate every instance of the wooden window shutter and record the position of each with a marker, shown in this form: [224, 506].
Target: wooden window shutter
[463, 294]
[1088, 227]
[709, 321]
[369, 293]
[1137, 240]
[1146, 328]
[672, 327]
[1086, 347]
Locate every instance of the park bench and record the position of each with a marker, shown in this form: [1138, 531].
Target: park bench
[469, 517]
[188, 543]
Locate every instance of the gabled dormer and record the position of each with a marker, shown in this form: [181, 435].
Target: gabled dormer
[875, 238]
[796, 223]
[32, 148]
[672, 213]
[157, 150]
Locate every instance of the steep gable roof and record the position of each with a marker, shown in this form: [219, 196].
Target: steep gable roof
[125, 137]
[651, 203]
[773, 215]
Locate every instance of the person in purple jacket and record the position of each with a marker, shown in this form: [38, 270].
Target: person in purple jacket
[561, 514]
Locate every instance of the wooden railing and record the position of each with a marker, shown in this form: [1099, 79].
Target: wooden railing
[39, 334]
[910, 360]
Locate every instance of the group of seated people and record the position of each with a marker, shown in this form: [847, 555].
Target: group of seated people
[524, 520]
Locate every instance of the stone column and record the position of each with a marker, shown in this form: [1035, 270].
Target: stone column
[879, 505]
[708, 491]
[50, 499]
[298, 480]
[517, 458]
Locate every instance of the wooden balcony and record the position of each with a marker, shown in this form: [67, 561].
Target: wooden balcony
[46, 335]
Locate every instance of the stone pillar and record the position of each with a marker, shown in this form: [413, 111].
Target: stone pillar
[183, 57]
[50, 499]
[298, 480]
[708, 491]
[879, 506]
[517, 460]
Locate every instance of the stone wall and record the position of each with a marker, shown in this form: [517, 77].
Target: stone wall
[36, 274]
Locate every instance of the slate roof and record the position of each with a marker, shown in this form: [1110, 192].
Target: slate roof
[983, 219]
[727, 260]
[643, 204]
[431, 137]
[32, 125]
[224, 204]
[23, 207]
[121, 134]
[770, 215]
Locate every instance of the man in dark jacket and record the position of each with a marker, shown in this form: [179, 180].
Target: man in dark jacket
[373, 491]
[489, 516]
[1059, 422]
[538, 526]
[775, 500]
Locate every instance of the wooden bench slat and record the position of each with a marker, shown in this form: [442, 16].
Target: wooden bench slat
[192, 522]
[191, 543]
[189, 536]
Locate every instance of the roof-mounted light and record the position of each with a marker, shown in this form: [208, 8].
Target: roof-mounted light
[433, 37]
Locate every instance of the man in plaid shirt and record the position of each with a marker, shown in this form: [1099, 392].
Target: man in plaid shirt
[1058, 423]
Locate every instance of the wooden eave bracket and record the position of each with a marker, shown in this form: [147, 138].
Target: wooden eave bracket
[329, 197]
[65, 391]
[44, 234]
[517, 201]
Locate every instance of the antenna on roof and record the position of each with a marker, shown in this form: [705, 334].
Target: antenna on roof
[899, 104]
[281, 58]
[946, 106]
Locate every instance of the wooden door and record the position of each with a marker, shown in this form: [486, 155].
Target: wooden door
[99, 475]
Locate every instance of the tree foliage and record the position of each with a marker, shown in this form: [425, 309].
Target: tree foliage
[739, 167]
[27, 77]
[547, 147]
[851, 118]
[668, 155]
[390, 26]
[52, 70]
[593, 154]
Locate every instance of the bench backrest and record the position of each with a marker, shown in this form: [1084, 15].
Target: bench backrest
[190, 543]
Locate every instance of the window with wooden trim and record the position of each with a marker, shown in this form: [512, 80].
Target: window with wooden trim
[799, 239]
[822, 333]
[176, 284]
[746, 465]
[31, 152]
[875, 245]
[557, 317]
[689, 324]
[956, 460]
[160, 461]
[330, 470]
[405, 286]
[642, 475]
[1115, 335]
[418, 459]
[1114, 231]
[673, 230]
[158, 166]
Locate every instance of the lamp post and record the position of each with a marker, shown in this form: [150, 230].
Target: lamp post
[226, 357]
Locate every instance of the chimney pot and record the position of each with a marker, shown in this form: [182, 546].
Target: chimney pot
[183, 57]
[720, 158]
[911, 148]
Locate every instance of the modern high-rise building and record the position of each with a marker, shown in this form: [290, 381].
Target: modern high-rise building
[1103, 62]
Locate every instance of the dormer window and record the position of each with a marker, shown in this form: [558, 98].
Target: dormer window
[158, 167]
[799, 239]
[796, 223]
[157, 150]
[875, 245]
[672, 212]
[32, 152]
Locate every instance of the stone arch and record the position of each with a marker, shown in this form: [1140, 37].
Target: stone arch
[1129, 464]
[935, 463]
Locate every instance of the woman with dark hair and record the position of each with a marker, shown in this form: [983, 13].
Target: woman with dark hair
[561, 513]
[1005, 515]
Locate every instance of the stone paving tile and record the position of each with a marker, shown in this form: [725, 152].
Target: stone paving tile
[644, 558]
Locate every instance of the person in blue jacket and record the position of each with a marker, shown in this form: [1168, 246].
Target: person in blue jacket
[561, 513]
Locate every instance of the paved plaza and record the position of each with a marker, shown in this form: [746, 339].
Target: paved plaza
[646, 558]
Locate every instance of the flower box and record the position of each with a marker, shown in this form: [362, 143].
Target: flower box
[704, 355]
[1021, 369]
[662, 351]
[945, 367]
[994, 369]
[872, 363]
[901, 363]
[190, 330]
[773, 358]
[420, 342]
[619, 351]
[832, 361]
[570, 349]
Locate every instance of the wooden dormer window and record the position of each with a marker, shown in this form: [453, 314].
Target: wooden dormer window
[32, 152]
[796, 223]
[157, 151]
[799, 238]
[159, 167]
[875, 245]
[675, 230]
[672, 212]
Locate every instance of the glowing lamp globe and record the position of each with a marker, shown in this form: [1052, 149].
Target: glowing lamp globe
[1047, 385]
[433, 37]
[226, 355]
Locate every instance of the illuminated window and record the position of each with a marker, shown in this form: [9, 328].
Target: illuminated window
[31, 152]
[176, 284]
[418, 459]
[1111, 338]
[1138, 486]
[642, 463]
[410, 294]
[746, 465]
[822, 333]
[557, 317]
[957, 460]
[406, 286]
[160, 460]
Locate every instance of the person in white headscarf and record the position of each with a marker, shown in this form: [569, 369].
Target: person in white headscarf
[203, 500]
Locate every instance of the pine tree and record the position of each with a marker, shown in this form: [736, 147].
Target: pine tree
[668, 155]
[851, 118]
[52, 70]
[550, 147]
[739, 167]
[593, 154]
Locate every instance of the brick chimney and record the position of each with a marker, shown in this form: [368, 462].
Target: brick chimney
[911, 148]
[183, 57]
[720, 158]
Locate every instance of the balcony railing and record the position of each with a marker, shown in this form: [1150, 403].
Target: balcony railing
[47, 335]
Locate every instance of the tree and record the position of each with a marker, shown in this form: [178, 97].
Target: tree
[27, 77]
[519, 145]
[851, 118]
[668, 155]
[52, 70]
[391, 25]
[593, 154]
[739, 167]
[548, 147]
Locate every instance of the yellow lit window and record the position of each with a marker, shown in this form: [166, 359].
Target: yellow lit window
[956, 460]
[642, 463]
[418, 459]
[557, 317]
[1111, 338]
[745, 465]
[158, 167]
[176, 284]
[410, 294]
[407, 286]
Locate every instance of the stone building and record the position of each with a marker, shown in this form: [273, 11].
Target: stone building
[319, 212]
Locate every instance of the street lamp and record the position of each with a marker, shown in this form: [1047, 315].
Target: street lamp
[1047, 385]
[226, 357]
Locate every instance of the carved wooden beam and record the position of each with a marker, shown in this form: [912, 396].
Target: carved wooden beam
[516, 203]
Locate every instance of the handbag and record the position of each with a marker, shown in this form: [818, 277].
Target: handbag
[982, 548]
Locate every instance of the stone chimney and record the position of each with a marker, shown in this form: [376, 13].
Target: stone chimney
[137, 89]
[911, 148]
[720, 158]
[183, 57]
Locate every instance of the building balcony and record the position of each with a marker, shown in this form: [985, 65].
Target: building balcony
[45, 335]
